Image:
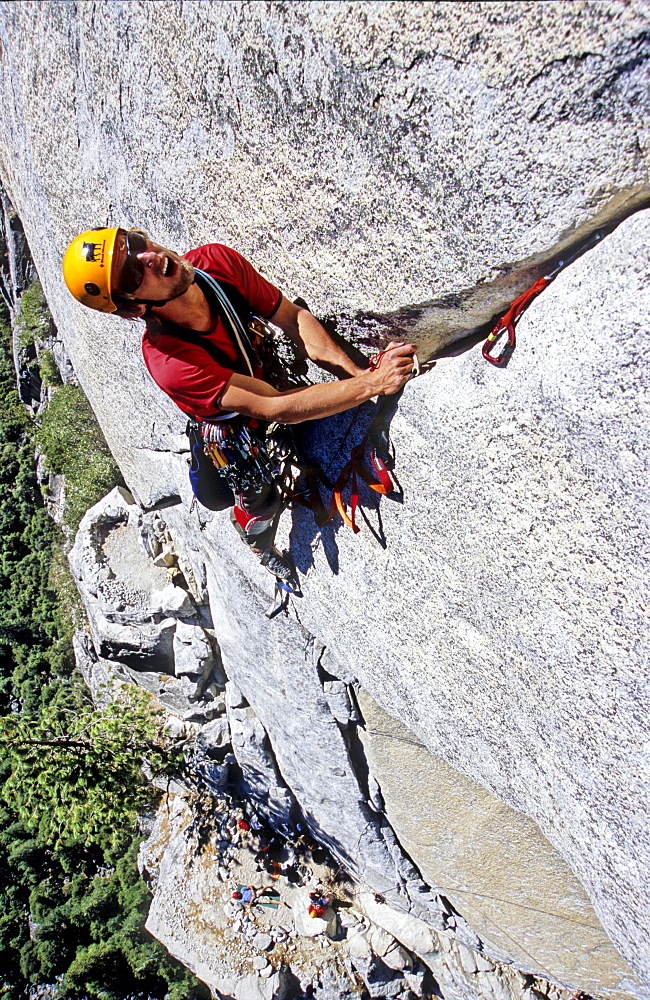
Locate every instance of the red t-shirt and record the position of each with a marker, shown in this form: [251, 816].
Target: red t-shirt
[184, 371]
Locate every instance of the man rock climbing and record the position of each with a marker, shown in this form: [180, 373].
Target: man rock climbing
[196, 356]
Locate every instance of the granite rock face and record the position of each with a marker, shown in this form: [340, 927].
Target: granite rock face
[490, 861]
[368, 156]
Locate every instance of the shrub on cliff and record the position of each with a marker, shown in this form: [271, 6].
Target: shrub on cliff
[50, 374]
[68, 433]
[74, 446]
[33, 320]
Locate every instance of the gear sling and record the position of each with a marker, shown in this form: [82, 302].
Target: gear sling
[228, 452]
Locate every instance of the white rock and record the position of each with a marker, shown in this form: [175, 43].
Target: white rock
[309, 926]
[380, 940]
[262, 941]
[467, 959]
[348, 919]
[357, 944]
[414, 980]
[192, 650]
[216, 733]
[173, 601]
[338, 699]
[174, 727]
[483, 964]
[234, 697]
[411, 931]
[398, 958]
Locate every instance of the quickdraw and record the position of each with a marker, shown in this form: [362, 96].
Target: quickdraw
[506, 324]
[355, 470]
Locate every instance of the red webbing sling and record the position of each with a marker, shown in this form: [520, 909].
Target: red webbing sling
[508, 321]
[354, 469]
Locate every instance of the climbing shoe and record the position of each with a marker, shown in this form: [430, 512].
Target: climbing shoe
[278, 563]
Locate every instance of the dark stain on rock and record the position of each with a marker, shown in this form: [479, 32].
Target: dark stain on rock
[471, 312]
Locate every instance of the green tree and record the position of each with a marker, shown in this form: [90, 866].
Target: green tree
[78, 895]
[76, 772]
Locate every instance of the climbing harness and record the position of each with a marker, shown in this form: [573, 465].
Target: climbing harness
[506, 324]
[230, 452]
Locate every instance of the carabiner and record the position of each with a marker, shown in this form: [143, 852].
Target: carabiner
[500, 327]
[507, 323]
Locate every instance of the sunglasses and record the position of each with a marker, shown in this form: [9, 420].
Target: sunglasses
[133, 269]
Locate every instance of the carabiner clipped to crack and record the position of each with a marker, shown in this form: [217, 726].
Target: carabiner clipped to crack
[507, 323]
[497, 331]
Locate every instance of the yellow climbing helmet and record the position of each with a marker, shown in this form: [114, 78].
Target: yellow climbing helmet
[88, 267]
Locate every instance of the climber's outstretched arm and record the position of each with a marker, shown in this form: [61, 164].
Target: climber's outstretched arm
[255, 398]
